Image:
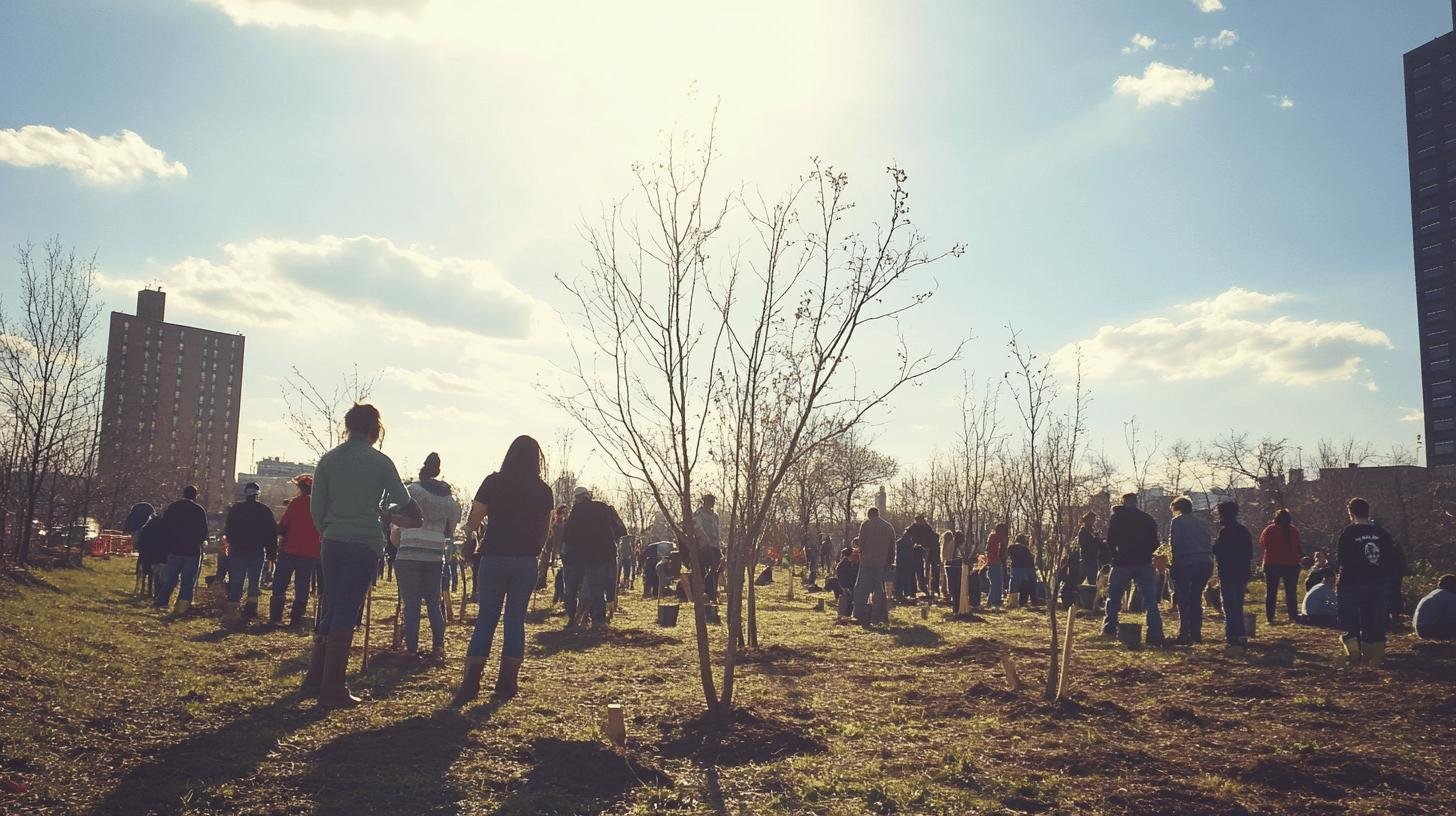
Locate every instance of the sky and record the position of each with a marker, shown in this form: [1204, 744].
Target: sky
[1208, 197]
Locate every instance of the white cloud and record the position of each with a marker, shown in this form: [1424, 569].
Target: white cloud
[1285, 102]
[1140, 42]
[330, 281]
[381, 17]
[1208, 6]
[1222, 39]
[103, 160]
[1230, 335]
[1163, 84]
[431, 381]
[1412, 415]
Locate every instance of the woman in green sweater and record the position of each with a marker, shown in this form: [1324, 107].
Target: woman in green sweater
[355, 488]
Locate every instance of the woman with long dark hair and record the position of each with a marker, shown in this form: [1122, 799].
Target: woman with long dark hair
[355, 488]
[515, 504]
[1282, 551]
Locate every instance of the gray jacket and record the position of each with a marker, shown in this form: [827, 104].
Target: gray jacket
[1191, 543]
[876, 543]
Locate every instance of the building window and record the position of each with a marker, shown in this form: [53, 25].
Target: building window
[1424, 115]
[1429, 189]
[1436, 314]
[1421, 70]
[1441, 388]
[1428, 174]
[1433, 227]
[1444, 424]
[1430, 250]
[1433, 293]
[1429, 214]
[1443, 448]
[1426, 152]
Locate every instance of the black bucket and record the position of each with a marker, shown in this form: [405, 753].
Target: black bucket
[667, 615]
[1131, 635]
[710, 613]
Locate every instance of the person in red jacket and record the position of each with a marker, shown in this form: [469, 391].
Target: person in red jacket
[1282, 551]
[298, 555]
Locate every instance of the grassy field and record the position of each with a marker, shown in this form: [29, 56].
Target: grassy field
[107, 707]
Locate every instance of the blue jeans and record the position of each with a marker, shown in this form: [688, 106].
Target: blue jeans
[1146, 579]
[627, 567]
[247, 567]
[1023, 581]
[871, 583]
[451, 576]
[573, 576]
[420, 581]
[996, 584]
[599, 585]
[300, 571]
[1363, 611]
[508, 580]
[180, 573]
[348, 570]
[1233, 591]
[1189, 581]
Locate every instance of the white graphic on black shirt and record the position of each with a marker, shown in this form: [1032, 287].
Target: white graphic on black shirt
[1372, 552]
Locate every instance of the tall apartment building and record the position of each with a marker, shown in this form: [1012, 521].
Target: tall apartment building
[1430, 120]
[170, 414]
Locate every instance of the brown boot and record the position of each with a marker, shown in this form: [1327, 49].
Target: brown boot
[332, 691]
[470, 685]
[314, 679]
[506, 684]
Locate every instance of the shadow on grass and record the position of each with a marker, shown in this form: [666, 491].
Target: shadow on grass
[177, 777]
[554, 641]
[399, 768]
[577, 776]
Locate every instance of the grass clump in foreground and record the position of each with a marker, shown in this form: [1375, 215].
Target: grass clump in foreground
[110, 708]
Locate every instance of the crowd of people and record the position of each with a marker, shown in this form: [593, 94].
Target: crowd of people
[1358, 591]
[354, 521]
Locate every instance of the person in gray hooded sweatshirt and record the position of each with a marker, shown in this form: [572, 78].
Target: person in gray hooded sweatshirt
[421, 558]
[1192, 568]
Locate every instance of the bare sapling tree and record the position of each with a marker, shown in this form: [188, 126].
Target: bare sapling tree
[975, 453]
[647, 347]
[673, 355]
[1053, 445]
[314, 415]
[1140, 452]
[47, 374]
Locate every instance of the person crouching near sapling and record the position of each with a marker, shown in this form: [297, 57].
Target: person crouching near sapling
[515, 504]
[1435, 617]
[1363, 585]
[348, 485]
[1321, 605]
[1233, 552]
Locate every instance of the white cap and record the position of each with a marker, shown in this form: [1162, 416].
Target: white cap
[581, 492]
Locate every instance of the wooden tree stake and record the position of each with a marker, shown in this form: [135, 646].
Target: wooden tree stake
[1013, 680]
[368, 620]
[616, 725]
[1063, 684]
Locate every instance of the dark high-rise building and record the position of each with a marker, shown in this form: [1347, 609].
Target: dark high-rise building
[170, 414]
[1430, 121]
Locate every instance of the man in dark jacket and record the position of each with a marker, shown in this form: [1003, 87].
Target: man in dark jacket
[1233, 554]
[590, 539]
[923, 534]
[185, 524]
[1132, 536]
[252, 534]
[1366, 552]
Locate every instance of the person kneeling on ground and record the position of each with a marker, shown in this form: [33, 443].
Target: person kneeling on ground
[846, 573]
[1321, 606]
[1435, 617]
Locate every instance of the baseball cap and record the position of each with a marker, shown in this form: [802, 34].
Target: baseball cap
[251, 489]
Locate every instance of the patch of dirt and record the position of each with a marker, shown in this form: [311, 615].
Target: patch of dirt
[1445, 709]
[1243, 690]
[781, 661]
[978, 651]
[586, 769]
[747, 737]
[1134, 675]
[1096, 762]
[1173, 799]
[1177, 713]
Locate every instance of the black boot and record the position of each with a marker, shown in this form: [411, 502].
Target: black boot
[275, 609]
[332, 691]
